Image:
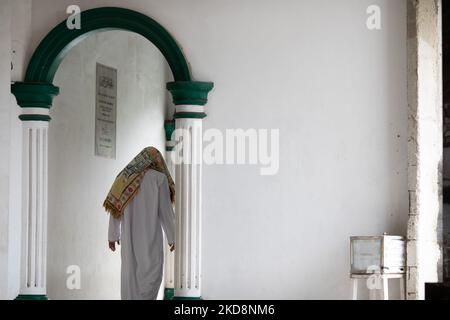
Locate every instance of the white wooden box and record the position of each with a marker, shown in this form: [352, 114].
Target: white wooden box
[377, 254]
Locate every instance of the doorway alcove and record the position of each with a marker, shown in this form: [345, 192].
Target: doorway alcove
[35, 96]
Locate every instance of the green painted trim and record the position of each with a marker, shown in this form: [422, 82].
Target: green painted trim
[34, 95]
[187, 298]
[34, 117]
[54, 47]
[190, 115]
[37, 91]
[30, 297]
[169, 128]
[169, 293]
[170, 148]
[190, 92]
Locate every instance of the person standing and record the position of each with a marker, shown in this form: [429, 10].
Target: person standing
[140, 204]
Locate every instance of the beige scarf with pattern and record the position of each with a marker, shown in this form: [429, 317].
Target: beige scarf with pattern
[128, 182]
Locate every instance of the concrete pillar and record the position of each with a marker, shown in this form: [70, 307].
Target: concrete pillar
[424, 239]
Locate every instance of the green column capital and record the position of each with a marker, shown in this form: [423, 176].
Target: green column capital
[34, 94]
[190, 92]
[35, 98]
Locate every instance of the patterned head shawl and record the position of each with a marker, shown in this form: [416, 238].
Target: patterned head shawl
[128, 182]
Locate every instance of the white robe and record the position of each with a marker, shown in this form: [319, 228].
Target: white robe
[141, 237]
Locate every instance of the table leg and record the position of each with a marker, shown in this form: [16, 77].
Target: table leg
[373, 294]
[402, 288]
[355, 289]
[385, 292]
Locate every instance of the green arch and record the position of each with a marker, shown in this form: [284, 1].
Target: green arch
[54, 47]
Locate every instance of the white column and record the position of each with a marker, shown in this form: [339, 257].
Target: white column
[35, 100]
[169, 263]
[189, 97]
[34, 205]
[188, 173]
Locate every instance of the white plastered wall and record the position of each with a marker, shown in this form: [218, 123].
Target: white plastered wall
[15, 38]
[336, 91]
[5, 176]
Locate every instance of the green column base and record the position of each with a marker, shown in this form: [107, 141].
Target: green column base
[169, 293]
[188, 298]
[30, 297]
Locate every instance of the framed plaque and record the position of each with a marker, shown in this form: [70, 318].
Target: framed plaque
[105, 111]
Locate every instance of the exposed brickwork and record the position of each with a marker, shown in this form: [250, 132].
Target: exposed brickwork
[424, 257]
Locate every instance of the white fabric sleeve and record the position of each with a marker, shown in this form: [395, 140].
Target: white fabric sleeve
[114, 229]
[165, 211]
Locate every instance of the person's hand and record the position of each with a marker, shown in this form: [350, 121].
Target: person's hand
[172, 247]
[112, 245]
